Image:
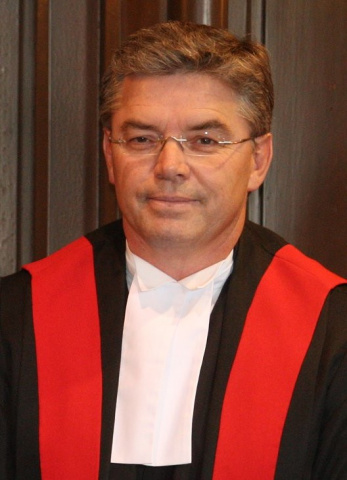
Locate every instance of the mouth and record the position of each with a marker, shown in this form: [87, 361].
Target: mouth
[164, 204]
[171, 199]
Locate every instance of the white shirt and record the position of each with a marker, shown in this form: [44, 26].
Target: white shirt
[164, 339]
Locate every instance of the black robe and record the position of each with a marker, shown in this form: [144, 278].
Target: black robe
[314, 438]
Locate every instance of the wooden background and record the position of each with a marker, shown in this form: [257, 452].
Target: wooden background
[53, 186]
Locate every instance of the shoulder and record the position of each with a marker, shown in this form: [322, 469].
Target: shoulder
[291, 259]
[17, 282]
[75, 255]
[256, 248]
[106, 241]
[305, 277]
[13, 289]
[109, 238]
[263, 238]
[335, 315]
[15, 303]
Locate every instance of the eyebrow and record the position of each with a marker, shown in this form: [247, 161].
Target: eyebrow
[210, 124]
[206, 125]
[137, 124]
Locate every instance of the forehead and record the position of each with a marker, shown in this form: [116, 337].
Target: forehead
[177, 100]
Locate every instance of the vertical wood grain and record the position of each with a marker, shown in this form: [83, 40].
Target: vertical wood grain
[246, 18]
[306, 191]
[73, 127]
[209, 12]
[136, 14]
[41, 133]
[53, 183]
[9, 61]
[26, 103]
[110, 41]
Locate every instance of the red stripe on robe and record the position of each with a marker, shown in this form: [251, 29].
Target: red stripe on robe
[67, 335]
[276, 336]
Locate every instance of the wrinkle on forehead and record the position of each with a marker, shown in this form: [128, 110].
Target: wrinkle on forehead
[179, 102]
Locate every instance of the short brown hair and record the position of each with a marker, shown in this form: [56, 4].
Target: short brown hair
[185, 47]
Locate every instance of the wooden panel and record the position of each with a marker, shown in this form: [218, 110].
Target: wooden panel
[306, 192]
[256, 19]
[41, 134]
[73, 139]
[209, 12]
[246, 18]
[53, 185]
[26, 132]
[110, 41]
[136, 14]
[238, 13]
[9, 59]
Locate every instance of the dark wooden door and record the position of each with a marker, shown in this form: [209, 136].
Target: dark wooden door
[53, 186]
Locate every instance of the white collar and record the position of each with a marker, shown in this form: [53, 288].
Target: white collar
[150, 277]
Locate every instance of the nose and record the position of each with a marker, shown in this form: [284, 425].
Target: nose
[171, 162]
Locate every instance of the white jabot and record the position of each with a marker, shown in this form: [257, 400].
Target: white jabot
[164, 339]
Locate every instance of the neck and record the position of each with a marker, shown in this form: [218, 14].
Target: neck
[179, 261]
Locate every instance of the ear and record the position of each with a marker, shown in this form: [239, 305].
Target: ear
[262, 160]
[107, 148]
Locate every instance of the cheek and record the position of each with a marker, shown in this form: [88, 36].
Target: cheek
[119, 169]
[231, 190]
[129, 177]
[233, 179]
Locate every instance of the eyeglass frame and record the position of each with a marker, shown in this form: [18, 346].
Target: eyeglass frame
[180, 141]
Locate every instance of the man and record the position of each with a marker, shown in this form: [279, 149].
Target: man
[183, 342]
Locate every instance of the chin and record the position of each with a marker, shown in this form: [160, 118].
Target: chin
[170, 237]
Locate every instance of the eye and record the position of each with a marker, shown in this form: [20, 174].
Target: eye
[141, 142]
[205, 141]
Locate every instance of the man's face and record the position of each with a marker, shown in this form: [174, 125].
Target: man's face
[173, 199]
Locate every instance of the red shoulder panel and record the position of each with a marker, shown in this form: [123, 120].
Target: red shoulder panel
[277, 334]
[67, 335]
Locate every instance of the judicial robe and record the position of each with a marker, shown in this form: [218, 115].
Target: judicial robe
[310, 443]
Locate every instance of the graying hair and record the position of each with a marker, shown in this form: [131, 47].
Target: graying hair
[185, 47]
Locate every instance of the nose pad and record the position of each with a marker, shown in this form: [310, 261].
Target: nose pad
[179, 141]
[171, 165]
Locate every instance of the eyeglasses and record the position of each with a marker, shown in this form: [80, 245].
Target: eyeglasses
[201, 145]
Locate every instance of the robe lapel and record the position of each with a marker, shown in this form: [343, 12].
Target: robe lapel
[109, 262]
[226, 325]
